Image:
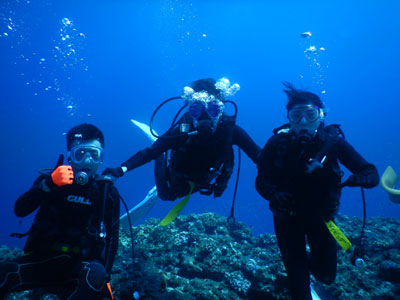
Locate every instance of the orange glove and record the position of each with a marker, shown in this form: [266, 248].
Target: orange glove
[63, 175]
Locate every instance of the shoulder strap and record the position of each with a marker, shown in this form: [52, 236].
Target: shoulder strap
[230, 119]
[100, 211]
[281, 129]
[333, 132]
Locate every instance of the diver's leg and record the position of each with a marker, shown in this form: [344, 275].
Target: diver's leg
[91, 277]
[28, 272]
[164, 190]
[182, 185]
[290, 234]
[9, 278]
[323, 262]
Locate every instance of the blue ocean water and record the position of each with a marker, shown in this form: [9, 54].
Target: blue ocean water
[63, 63]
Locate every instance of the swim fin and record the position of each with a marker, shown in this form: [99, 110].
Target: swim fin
[389, 180]
[314, 294]
[177, 208]
[140, 210]
[145, 128]
[339, 236]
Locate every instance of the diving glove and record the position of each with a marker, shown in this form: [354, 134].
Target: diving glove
[115, 172]
[63, 175]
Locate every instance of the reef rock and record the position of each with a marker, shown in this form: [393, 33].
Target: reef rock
[200, 257]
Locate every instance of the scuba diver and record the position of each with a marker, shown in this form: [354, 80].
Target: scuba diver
[299, 174]
[74, 237]
[200, 142]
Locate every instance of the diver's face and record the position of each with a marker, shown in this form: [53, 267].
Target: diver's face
[305, 119]
[206, 115]
[86, 156]
[205, 110]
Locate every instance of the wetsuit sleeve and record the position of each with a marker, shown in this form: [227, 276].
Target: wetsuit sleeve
[355, 163]
[245, 142]
[150, 153]
[112, 227]
[31, 200]
[264, 184]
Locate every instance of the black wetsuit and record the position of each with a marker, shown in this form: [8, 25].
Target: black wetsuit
[308, 200]
[64, 247]
[197, 158]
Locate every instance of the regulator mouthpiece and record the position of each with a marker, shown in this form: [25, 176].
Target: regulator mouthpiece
[81, 178]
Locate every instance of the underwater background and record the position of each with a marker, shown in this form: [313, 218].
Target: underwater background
[63, 63]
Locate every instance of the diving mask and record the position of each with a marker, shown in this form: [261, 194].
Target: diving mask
[310, 113]
[82, 152]
[85, 161]
[213, 109]
[305, 120]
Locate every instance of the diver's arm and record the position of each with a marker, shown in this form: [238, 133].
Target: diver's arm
[245, 142]
[366, 172]
[112, 227]
[148, 154]
[30, 200]
[264, 184]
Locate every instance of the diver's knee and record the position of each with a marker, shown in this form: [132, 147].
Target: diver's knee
[166, 193]
[6, 269]
[96, 276]
[325, 278]
[167, 196]
[9, 277]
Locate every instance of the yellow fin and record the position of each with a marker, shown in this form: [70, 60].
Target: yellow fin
[338, 235]
[177, 208]
[389, 180]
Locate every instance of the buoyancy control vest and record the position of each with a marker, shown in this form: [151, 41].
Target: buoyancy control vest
[201, 158]
[70, 221]
[309, 171]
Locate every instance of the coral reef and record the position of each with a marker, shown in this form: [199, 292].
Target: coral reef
[202, 257]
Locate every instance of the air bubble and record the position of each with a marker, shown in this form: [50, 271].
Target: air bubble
[66, 22]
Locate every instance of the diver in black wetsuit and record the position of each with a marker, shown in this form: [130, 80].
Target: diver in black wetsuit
[74, 238]
[200, 143]
[298, 172]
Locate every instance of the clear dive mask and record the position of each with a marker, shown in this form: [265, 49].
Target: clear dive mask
[85, 161]
[310, 113]
[304, 121]
[82, 152]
